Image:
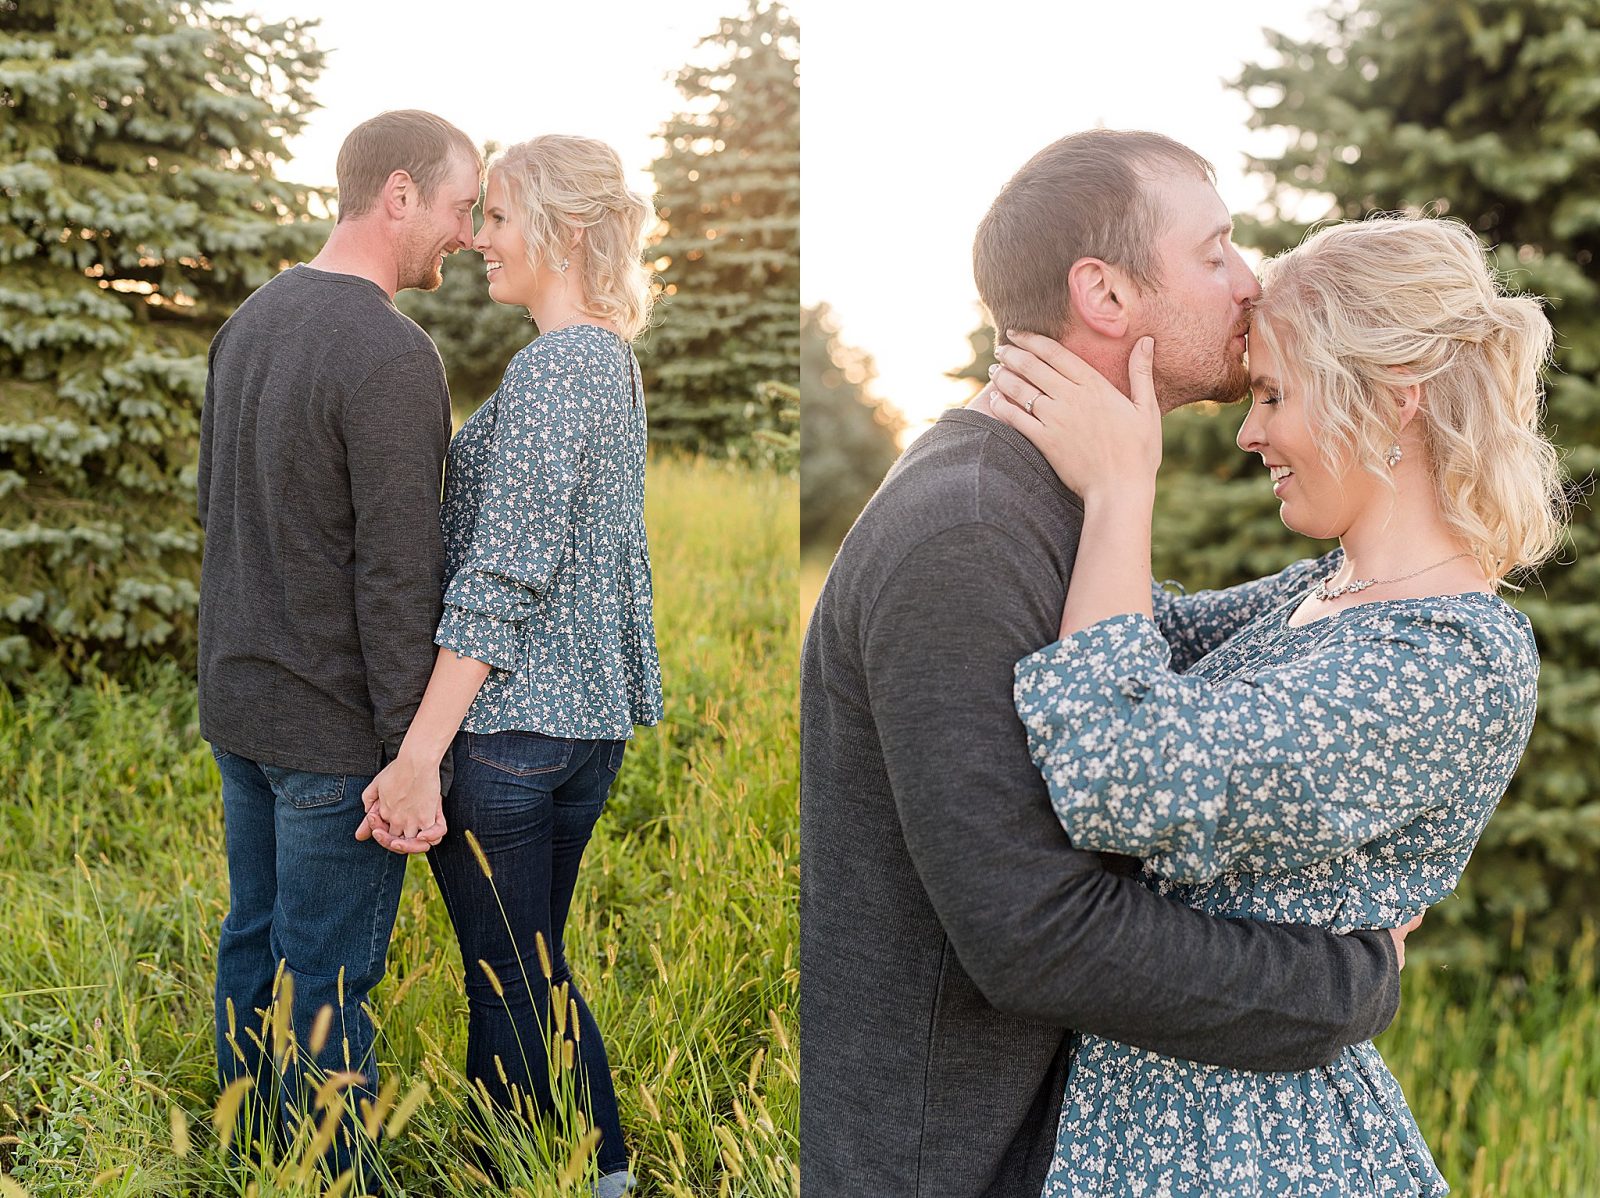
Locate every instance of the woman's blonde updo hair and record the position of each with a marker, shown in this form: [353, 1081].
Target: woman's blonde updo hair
[560, 184]
[1361, 309]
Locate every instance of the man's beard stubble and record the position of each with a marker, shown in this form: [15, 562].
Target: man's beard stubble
[421, 268]
[1189, 370]
[423, 275]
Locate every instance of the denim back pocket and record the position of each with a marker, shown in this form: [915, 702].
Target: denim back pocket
[614, 761]
[522, 754]
[303, 790]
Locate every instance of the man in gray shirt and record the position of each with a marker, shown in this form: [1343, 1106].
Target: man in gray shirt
[323, 439]
[950, 934]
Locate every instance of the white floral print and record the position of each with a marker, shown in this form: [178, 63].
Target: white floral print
[547, 569]
[1337, 774]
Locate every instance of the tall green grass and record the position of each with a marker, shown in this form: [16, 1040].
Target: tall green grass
[683, 931]
[1503, 1071]
[813, 573]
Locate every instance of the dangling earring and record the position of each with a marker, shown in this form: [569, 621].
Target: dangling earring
[1392, 458]
[565, 262]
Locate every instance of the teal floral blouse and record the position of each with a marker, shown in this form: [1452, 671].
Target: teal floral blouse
[1337, 774]
[547, 570]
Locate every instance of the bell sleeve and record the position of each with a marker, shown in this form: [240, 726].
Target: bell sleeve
[548, 409]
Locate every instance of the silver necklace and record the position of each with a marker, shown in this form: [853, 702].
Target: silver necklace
[1325, 592]
[576, 316]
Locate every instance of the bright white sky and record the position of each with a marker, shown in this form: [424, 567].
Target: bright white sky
[911, 123]
[505, 72]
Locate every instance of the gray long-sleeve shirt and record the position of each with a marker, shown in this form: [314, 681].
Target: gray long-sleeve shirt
[322, 447]
[950, 934]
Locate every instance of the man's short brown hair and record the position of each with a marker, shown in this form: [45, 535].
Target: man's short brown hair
[1081, 197]
[405, 139]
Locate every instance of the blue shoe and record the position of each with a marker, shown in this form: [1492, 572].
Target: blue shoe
[615, 1185]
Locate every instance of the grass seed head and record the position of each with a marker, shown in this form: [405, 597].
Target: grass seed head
[731, 1156]
[373, 1113]
[180, 1133]
[320, 1027]
[578, 1162]
[314, 1150]
[648, 1101]
[333, 1085]
[225, 1115]
[544, 955]
[477, 851]
[415, 1097]
[494, 978]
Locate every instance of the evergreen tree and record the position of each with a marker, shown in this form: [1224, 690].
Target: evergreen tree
[774, 439]
[976, 371]
[849, 440]
[1485, 111]
[728, 193]
[138, 207]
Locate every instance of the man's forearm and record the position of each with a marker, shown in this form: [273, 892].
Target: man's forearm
[1114, 959]
[395, 438]
[397, 608]
[1040, 927]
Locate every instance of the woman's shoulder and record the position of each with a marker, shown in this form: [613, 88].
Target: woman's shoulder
[1473, 631]
[576, 358]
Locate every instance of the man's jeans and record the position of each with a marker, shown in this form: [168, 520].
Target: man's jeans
[531, 802]
[305, 895]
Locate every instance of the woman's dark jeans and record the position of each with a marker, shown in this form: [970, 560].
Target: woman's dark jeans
[531, 802]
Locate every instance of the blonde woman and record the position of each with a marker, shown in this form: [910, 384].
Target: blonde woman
[547, 653]
[1323, 746]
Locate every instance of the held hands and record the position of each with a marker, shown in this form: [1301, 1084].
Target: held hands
[404, 807]
[1094, 437]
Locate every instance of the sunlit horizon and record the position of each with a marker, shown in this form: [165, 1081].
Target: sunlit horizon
[896, 177]
[503, 74]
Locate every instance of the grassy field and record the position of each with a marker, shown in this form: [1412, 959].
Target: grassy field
[813, 573]
[683, 931]
[1503, 1073]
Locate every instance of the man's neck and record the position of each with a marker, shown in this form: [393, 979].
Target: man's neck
[355, 248]
[1110, 358]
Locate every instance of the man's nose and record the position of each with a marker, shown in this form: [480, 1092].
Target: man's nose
[1246, 287]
